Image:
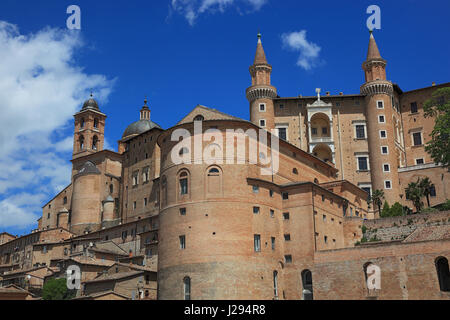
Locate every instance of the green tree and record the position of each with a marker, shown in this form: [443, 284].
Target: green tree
[396, 210]
[377, 198]
[414, 193]
[56, 289]
[425, 184]
[438, 106]
[386, 210]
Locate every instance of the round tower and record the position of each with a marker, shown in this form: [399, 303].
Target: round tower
[261, 93]
[380, 125]
[86, 207]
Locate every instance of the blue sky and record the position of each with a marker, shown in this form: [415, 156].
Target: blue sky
[180, 53]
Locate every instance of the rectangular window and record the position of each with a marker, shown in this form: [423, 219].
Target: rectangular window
[314, 131]
[255, 189]
[256, 210]
[182, 242]
[387, 184]
[287, 237]
[386, 168]
[420, 161]
[433, 191]
[380, 104]
[288, 258]
[325, 239]
[271, 193]
[273, 243]
[363, 164]
[182, 211]
[384, 150]
[383, 134]
[262, 107]
[414, 107]
[272, 213]
[324, 218]
[286, 216]
[360, 132]
[184, 186]
[262, 123]
[325, 130]
[285, 196]
[145, 202]
[417, 138]
[381, 119]
[257, 240]
[134, 205]
[282, 133]
[281, 106]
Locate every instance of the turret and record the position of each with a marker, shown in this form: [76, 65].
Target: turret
[261, 93]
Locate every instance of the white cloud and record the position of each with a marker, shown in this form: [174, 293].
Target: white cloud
[40, 90]
[309, 51]
[191, 9]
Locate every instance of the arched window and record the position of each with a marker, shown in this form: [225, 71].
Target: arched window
[94, 143]
[82, 122]
[214, 180]
[187, 288]
[199, 118]
[443, 273]
[275, 284]
[81, 142]
[295, 171]
[96, 123]
[307, 293]
[184, 182]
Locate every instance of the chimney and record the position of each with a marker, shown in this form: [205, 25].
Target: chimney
[328, 93]
[433, 83]
[341, 93]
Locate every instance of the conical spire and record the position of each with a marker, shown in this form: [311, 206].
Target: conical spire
[373, 53]
[260, 57]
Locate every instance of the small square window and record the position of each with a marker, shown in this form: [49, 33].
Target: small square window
[314, 131]
[285, 196]
[281, 106]
[262, 123]
[387, 184]
[255, 189]
[256, 210]
[288, 258]
[262, 107]
[287, 237]
[380, 105]
[420, 161]
[182, 211]
[286, 216]
[386, 168]
[384, 150]
[383, 134]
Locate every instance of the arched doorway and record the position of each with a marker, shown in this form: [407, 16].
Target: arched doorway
[323, 152]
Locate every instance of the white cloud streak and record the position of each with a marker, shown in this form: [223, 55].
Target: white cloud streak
[192, 9]
[309, 51]
[40, 90]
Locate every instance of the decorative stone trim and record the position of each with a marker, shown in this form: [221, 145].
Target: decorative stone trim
[261, 92]
[377, 87]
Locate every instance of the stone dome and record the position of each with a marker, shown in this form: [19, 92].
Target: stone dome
[139, 127]
[90, 104]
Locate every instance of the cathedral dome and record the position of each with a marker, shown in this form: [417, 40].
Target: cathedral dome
[90, 104]
[138, 127]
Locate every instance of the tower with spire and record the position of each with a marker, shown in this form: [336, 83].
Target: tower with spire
[381, 116]
[261, 93]
[89, 129]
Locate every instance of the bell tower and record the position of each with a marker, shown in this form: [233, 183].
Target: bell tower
[89, 129]
[380, 124]
[261, 93]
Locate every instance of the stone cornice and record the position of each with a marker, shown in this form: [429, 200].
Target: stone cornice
[377, 87]
[260, 92]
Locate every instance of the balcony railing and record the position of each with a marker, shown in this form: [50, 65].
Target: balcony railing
[321, 139]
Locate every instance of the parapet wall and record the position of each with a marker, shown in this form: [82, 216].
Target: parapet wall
[399, 228]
